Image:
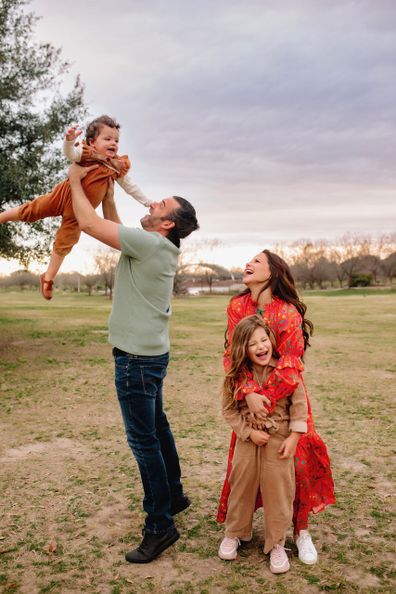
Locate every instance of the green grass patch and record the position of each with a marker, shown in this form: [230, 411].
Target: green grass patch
[71, 493]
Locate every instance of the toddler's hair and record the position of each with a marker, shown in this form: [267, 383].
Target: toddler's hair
[94, 127]
[240, 361]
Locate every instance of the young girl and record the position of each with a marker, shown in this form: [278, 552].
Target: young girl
[100, 147]
[263, 460]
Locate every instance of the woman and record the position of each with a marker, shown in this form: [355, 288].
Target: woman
[271, 293]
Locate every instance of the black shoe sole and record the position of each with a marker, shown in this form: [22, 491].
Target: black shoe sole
[158, 552]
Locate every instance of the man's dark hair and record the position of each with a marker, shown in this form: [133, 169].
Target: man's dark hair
[94, 127]
[185, 219]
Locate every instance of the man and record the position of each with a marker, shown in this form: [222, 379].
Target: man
[138, 331]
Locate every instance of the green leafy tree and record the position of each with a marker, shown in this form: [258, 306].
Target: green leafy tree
[33, 117]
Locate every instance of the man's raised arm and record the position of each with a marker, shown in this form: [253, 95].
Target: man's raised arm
[104, 230]
[109, 207]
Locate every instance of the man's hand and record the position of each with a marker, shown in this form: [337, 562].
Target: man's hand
[256, 403]
[105, 231]
[288, 447]
[73, 133]
[260, 438]
[77, 173]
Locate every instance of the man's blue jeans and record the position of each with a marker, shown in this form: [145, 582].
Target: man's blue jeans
[138, 381]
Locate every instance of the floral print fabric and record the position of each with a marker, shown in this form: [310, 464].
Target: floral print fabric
[314, 481]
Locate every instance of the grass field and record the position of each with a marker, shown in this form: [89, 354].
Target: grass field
[70, 492]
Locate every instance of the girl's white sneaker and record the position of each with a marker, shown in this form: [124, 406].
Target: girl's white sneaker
[279, 562]
[228, 548]
[306, 548]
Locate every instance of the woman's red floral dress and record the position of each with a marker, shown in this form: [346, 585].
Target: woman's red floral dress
[314, 481]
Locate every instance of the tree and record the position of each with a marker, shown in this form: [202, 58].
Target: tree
[106, 262]
[300, 273]
[336, 259]
[192, 252]
[71, 281]
[33, 117]
[389, 267]
[211, 272]
[351, 267]
[361, 269]
[323, 270]
[22, 279]
[90, 281]
[180, 280]
[305, 258]
[385, 245]
[371, 265]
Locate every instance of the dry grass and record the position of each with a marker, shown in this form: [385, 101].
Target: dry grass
[70, 493]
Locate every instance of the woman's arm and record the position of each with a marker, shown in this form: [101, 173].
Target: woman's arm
[237, 423]
[241, 427]
[236, 311]
[284, 379]
[286, 376]
[298, 410]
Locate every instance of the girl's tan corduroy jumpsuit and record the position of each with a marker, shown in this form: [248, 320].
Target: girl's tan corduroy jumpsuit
[259, 468]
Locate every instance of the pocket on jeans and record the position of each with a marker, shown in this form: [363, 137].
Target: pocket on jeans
[152, 377]
[121, 362]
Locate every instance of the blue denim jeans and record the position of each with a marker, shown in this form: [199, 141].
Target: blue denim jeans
[138, 381]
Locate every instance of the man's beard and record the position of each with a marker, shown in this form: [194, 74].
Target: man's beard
[149, 222]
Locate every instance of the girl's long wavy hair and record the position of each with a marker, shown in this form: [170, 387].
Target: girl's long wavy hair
[282, 285]
[240, 362]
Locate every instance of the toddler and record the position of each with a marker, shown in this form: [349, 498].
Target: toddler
[100, 147]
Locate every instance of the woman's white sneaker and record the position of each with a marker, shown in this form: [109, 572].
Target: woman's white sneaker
[306, 548]
[228, 548]
[279, 562]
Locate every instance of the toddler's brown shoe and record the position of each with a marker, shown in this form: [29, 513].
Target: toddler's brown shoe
[46, 287]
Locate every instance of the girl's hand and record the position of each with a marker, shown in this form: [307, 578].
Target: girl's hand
[252, 421]
[73, 133]
[256, 404]
[260, 438]
[288, 447]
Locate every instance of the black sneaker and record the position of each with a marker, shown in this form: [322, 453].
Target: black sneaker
[180, 505]
[152, 545]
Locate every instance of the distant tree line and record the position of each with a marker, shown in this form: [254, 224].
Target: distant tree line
[352, 261]
[101, 280]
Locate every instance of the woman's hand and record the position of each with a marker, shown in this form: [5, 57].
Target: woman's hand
[260, 438]
[288, 447]
[256, 403]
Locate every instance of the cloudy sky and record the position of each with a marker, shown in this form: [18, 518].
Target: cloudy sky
[276, 119]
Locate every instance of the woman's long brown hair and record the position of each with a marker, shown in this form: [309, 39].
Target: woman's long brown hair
[239, 358]
[282, 285]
